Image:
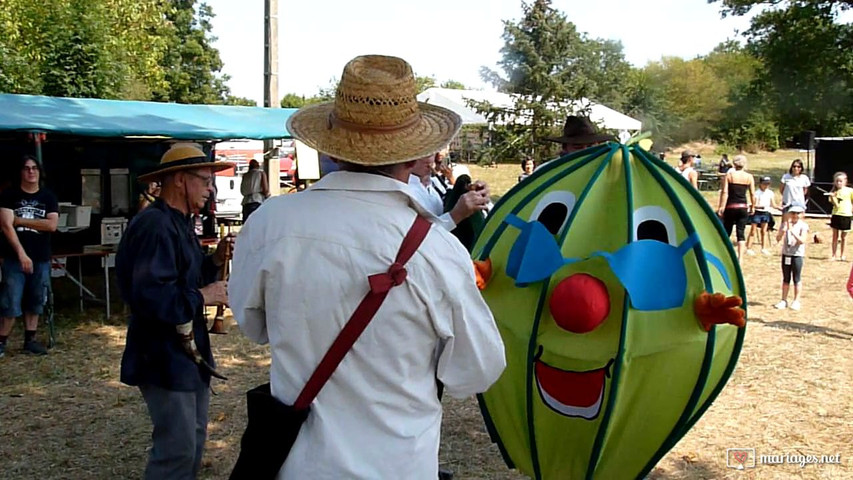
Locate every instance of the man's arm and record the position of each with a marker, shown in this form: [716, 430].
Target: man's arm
[471, 354]
[7, 217]
[48, 224]
[265, 185]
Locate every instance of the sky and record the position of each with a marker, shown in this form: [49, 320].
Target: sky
[447, 39]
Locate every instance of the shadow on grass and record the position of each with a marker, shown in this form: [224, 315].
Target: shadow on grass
[805, 328]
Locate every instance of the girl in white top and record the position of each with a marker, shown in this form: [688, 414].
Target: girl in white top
[792, 235]
[795, 185]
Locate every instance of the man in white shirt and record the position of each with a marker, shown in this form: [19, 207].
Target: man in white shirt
[301, 267]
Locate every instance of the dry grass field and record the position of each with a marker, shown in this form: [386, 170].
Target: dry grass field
[66, 416]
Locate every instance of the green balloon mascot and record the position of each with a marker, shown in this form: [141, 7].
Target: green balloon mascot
[618, 296]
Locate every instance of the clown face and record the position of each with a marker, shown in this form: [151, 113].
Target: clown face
[597, 260]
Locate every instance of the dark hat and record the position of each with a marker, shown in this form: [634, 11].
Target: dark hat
[183, 157]
[580, 131]
[688, 153]
[765, 180]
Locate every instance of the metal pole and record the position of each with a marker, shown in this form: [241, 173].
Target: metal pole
[271, 98]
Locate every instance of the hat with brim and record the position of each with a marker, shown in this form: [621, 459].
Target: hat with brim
[580, 131]
[796, 208]
[375, 118]
[183, 157]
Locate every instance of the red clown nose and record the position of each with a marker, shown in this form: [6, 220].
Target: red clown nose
[580, 303]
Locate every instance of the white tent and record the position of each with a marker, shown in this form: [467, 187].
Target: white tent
[457, 100]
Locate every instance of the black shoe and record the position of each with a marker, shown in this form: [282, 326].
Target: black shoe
[2, 349]
[445, 474]
[35, 348]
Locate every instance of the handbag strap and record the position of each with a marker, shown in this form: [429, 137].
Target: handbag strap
[380, 284]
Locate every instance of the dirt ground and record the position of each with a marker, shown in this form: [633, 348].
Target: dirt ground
[66, 416]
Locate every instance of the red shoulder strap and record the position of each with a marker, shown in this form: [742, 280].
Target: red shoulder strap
[380, 284]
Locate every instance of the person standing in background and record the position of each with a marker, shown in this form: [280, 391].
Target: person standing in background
[28, 215]
[686, 168]
[841, 197]
[254, 188]
[736, 196]
[795, 185]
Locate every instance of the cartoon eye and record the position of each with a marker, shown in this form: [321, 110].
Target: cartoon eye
[654, 223]
[554, 210]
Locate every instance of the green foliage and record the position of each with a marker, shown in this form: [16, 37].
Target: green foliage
[125, 49]
[742, 7]
[241, 101]
[550, 67]
[191, 63]
[424, 83]
[454, 85]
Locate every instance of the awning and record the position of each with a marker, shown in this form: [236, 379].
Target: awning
[118, 118]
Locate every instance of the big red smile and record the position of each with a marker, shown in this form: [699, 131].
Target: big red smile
[573, 394]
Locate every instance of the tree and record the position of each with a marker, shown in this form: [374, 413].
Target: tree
[742, 7]
[292, 100]
[424, 83]
[84, 48]
[550, 67]
[191, 63]
[453, 85]
[240, 101]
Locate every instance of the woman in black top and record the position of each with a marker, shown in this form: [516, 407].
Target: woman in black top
[738, 189]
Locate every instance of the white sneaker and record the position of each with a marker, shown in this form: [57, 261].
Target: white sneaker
[765, 251]
[781, 305]
[795, 305]
[750, 252]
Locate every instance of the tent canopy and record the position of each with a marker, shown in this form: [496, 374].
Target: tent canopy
[117, 118]
[456, 100]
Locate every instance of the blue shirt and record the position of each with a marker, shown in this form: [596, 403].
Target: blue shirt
[160, 267]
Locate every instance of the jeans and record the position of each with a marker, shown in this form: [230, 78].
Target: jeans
[21, 292]
[180, 430]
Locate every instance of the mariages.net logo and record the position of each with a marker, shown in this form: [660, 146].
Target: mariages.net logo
[743, 458]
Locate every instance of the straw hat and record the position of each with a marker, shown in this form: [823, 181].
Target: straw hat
[580, 131]
[183, 157]
[375, 118]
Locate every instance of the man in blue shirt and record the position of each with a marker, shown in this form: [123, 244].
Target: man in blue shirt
[167, 280]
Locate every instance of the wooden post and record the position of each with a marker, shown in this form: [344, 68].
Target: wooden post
[271, 98]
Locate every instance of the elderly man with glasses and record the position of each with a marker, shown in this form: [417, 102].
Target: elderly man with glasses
[166, 280]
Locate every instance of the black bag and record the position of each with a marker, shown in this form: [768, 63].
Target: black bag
[273, 426]
[269, 436]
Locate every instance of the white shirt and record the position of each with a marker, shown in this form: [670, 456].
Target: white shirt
[794, 189]
[430, 200]
[300, 269]
[764, 199]
[687, 172]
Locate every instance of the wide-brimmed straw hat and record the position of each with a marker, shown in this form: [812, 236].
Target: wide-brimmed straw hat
[375, 118]
[183, 157]
[580, 131]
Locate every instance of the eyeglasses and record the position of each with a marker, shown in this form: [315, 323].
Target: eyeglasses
[207, 179]
[30, 168]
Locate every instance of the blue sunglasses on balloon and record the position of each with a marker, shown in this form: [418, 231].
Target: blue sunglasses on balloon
[652, 272]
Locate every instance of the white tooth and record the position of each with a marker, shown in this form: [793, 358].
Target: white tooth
[587, 413]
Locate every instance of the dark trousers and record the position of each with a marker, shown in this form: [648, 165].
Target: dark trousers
[180, 430]
[248, 209]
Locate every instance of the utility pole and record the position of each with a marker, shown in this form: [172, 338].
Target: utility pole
[271, 98]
